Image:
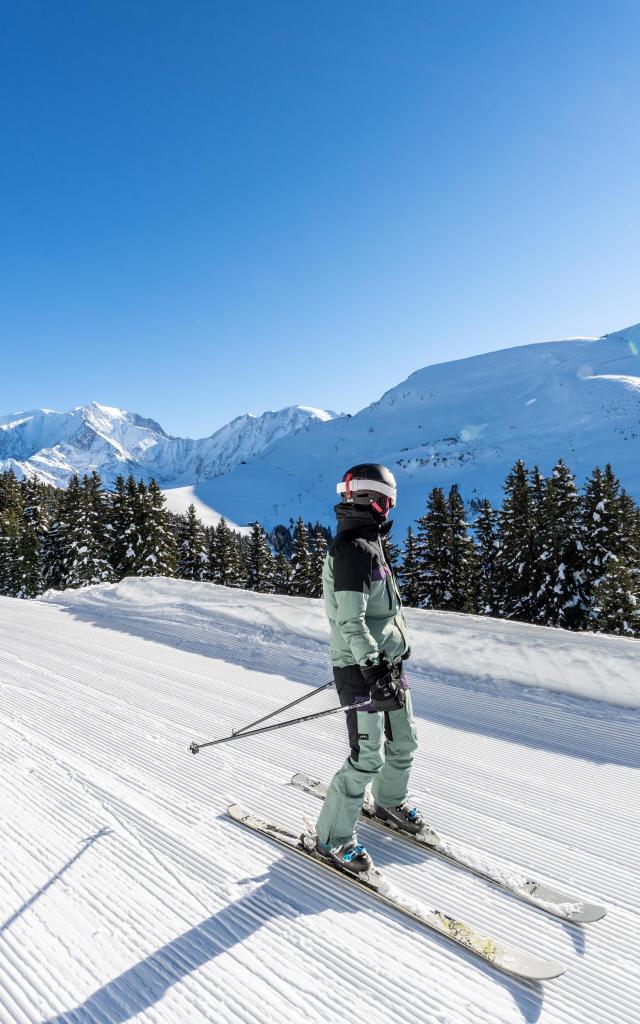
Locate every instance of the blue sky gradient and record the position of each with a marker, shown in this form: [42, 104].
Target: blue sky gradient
[211, 208]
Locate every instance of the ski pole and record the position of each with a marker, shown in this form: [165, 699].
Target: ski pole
[298, 700]
[196, 747]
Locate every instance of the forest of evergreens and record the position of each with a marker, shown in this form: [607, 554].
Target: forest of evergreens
[549, 555]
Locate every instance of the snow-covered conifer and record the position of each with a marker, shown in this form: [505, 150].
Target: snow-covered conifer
[193, 560]
[302, 583]
[516, 559]
[157, 554]
[487, 581]
[433, 554]
[408, 573]
[260, 567]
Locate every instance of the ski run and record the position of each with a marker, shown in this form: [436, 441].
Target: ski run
[127, 893]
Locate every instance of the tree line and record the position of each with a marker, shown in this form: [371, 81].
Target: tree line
[54, 538]
[549, 555]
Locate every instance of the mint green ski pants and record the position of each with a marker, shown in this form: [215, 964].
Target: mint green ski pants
[382, 748]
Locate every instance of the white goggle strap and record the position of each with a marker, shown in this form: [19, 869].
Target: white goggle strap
[367, 485]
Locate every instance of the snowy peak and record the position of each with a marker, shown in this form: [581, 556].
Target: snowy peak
[466, 422]
[54, 445]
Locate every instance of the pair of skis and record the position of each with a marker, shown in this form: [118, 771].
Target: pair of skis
[503, 956]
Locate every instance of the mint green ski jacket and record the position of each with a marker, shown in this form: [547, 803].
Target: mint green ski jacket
[361, 599]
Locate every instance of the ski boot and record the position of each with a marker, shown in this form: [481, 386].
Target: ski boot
[349, 856]
[404, 817]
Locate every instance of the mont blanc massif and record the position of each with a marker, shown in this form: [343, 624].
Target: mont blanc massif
[464, 422]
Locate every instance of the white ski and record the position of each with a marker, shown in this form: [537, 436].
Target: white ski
[514, 880]
[503, 956]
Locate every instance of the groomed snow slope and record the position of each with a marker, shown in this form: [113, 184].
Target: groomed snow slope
[126, 895]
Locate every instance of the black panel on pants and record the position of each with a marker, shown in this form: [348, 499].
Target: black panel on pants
[351, 685]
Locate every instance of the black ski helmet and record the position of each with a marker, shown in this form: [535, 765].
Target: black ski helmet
[369, 483]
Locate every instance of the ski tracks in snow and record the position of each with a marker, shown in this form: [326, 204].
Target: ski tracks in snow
[127, 895]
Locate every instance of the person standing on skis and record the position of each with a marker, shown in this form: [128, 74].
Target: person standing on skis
[369, 644]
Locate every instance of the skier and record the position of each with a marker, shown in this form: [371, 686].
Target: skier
[369, 643]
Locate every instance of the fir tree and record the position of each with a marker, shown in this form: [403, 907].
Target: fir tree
[538, 509]
[606, 546]
[317, 559]
[83, 542]
[260, 567]
[281, 574]
[516, 561]
[487, 545]
[302, 582]
[616, 607]
[461, 586]
[432, 552]
[562, 599]
[30, 564]
[408, 572]
[192, 547]
[225, 554]
[157, 556]
[122, 554]
[10, 531]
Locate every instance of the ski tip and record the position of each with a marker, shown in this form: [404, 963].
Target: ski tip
[236, 812]
[304, 781]
[531, 968]
[590, 912]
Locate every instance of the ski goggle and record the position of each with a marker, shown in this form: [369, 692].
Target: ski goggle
[350, 486]
[382, 504]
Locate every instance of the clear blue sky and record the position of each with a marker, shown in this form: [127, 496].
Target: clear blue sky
[210, 208]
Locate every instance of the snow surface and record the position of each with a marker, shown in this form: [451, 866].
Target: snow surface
[126, 894]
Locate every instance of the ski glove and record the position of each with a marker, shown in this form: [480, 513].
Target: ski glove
[387, 693]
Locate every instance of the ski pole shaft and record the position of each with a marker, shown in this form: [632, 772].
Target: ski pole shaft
[279, 711]
[196, 747]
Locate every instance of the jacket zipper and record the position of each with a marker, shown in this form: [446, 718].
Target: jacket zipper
[386, 579]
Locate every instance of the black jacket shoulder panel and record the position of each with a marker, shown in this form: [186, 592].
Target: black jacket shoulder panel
[353, 562]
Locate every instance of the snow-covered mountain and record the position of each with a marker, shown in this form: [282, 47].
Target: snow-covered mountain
[465, 421]
[54, 445]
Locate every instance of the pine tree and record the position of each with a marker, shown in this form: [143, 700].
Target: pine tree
[538, 507]
[302, 582]
[30, 564]
[83, 543]
[225, 556]
[462, 563]
[157, 556]
[516, 560]
[259, 562]
[281, 574]
[11, 518]
[432, 552]
[317, 557]
[487, 544]
[616, 606]
[606, 523]
[408, 573]
[561, 599]
[192, 548]
[122, 554]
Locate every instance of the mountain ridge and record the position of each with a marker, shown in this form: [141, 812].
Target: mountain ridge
[463, 421]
